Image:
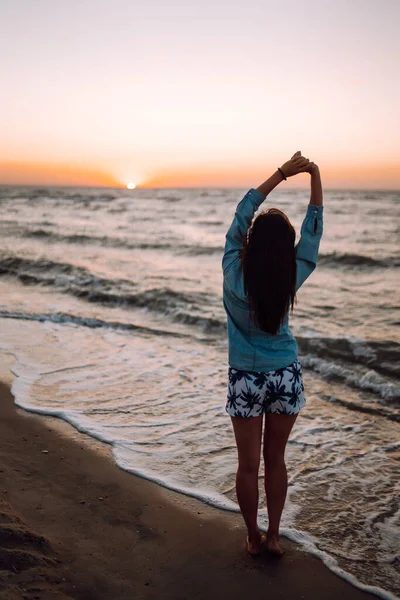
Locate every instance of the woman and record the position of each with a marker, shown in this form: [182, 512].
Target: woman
[263, 269]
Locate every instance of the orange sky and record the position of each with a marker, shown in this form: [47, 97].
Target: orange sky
[53, 174]
[172, 94]
[345, 176]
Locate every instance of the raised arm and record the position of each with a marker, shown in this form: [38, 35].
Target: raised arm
[241, 222]
[311, 230]
[316, 185]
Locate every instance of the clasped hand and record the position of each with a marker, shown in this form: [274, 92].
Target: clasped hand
[298, 164]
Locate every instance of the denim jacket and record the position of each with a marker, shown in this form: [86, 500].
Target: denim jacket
[250, 348]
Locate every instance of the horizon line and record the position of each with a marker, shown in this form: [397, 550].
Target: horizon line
[195, 187]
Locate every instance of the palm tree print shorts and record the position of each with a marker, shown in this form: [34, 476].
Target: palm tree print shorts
[254, 393]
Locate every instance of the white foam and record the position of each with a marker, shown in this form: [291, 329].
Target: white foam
[309, 544]
[370, 380]
[360, 347]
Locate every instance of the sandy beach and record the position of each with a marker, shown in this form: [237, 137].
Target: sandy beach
[74, 525]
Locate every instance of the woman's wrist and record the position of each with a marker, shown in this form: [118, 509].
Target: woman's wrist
[315, 171]
[271, 183]
[282, 173]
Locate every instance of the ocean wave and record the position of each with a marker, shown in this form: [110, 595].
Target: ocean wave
[333, 259]
[115, 242]
[206, 324]
[328, 260]
[382, 356]
[348, 259]
[42, 271]
[83, 238]
[83, 197]
[170, 198]
[199, 250]
[392, 415]
[90, 322]
[211, 223]
[387, 392]
[185, 307]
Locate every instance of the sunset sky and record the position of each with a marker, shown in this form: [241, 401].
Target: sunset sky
[205, 93]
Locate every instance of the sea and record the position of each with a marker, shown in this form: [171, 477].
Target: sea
[111, 303]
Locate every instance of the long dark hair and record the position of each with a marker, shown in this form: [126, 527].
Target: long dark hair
[269, 269]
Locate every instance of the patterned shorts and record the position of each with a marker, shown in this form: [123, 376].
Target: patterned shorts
[253, 393]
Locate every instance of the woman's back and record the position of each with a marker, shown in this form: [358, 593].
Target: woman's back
[251, 348]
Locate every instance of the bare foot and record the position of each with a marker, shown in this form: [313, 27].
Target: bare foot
[254, 544]
[273, 546]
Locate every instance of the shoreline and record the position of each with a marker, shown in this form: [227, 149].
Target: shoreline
[75, 525]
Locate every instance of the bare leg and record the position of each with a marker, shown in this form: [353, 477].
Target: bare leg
[248, 432]
[276, 434]
[247, 495]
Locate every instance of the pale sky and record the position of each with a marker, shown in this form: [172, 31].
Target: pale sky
[199, 93]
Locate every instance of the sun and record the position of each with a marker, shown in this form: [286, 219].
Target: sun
[131, 186]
